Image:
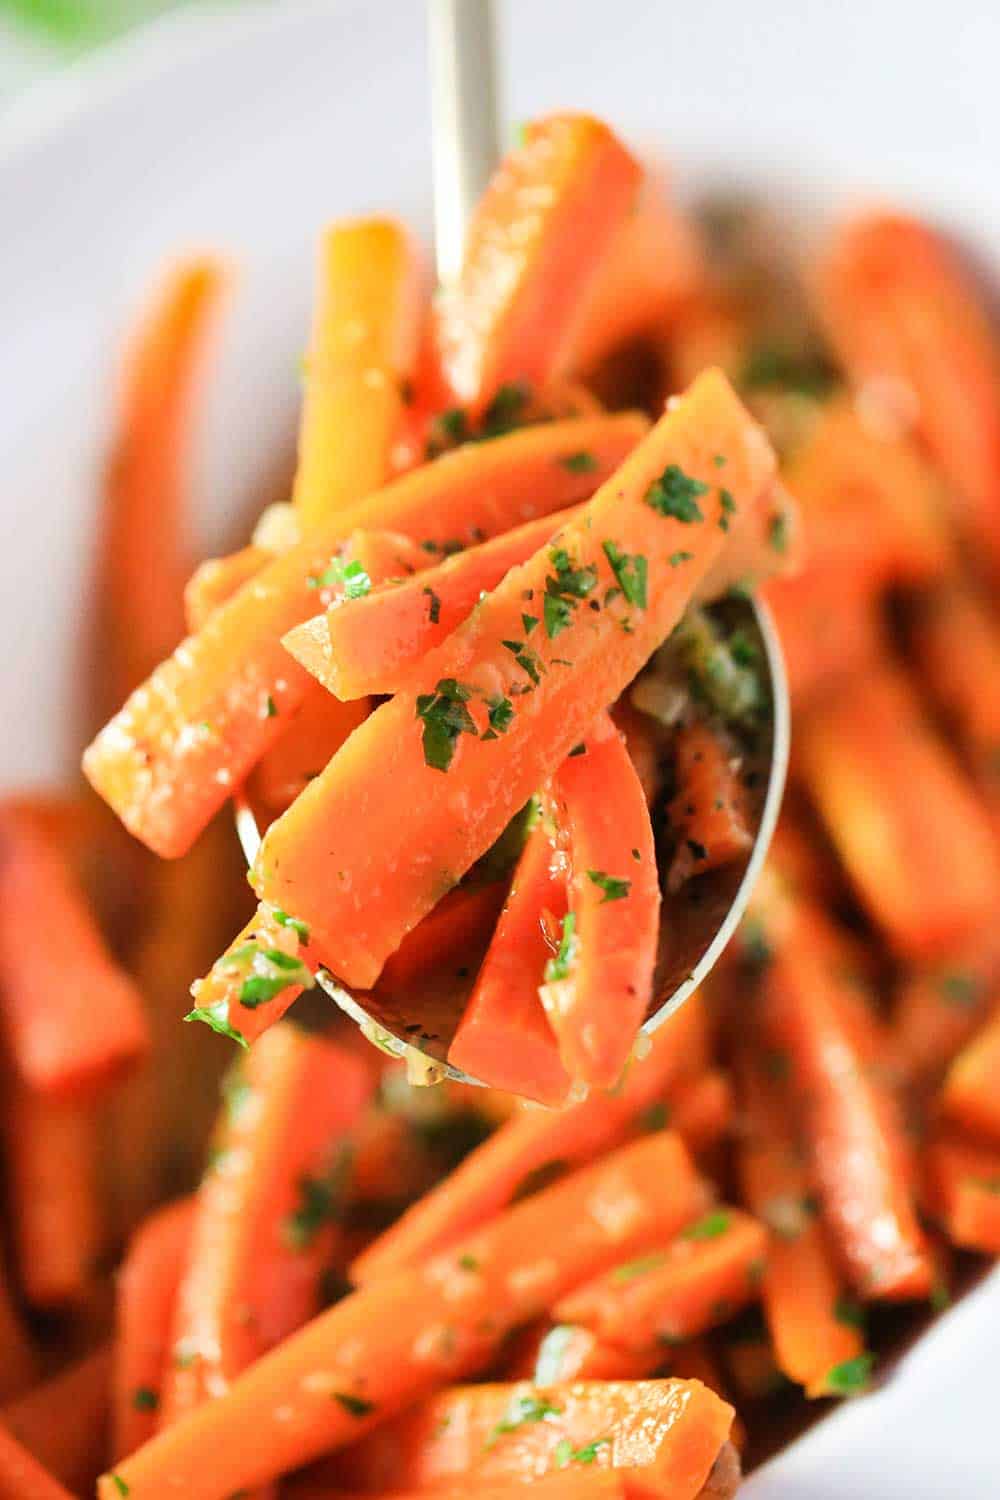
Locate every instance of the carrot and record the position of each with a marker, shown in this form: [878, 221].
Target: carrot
[313, 735]
[901, 308]
[564, 1351]
[799, 854]
[588, 1484]
[963, 1189]
[661, 1436]
[700, 1109]
[218, 579]
[709, 811]
[534, 247]
[707, 1272]
[363, 349]
[530, 1149]
[63, 1421]
[20, 1358]
[430, 744]
[377, 644]
[22, 1476]
[273, 947]
[937, 1011]
[68, 1040]
[144, 543]
[814, 1326]
[146, 1291]
[598, 988]
[694, 1361]
[969, 1093]
[914, 840]
[387, 1346]
[828, 625]
[644, 745]
[504, 1038]
[265, 1210]
[186, 738]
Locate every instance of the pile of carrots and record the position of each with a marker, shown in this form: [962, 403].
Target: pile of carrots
[427, 675]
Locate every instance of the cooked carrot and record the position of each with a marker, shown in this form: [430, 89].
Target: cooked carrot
[644, 743]
[587, 1484]
[963, 1188]
[146, 1291]
[700, 1109]
[552, 1354]
[937, 1011]
[661, 1436]
[364, 344]
[20, 1359]
[273, 947]
[387, 1346]
[313, 735]
[430, 743]
[504, 1038]
[709, 812]
[534, 248]
[218, 579]
[814, 1325]
[828, 625]
[461, 920]
[265, 1211]
[597, 991]
[63, 1422]
[913, 838]
[67, 1039]
[145, 541]
[22, 1476]
[802, 858]
[969, 1095]
[376, 645]
[529, 1149]
[900, 307]
[694, 1361]
[187, 738]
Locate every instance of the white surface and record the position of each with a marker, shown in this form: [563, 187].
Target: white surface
[247, 133]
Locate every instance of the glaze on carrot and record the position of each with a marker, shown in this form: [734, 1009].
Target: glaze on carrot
[218, 579]
[709, 812]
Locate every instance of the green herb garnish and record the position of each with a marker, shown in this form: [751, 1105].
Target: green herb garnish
[676, 494]
[434, 611]
[217, 1017]
[851, 1377]
[849, 1312]
[523, 1411]
[445, 716]
[355, 1406]
[709, 1228]
[559, 966]
[565, 1454]
[633, 1269]
[284, 920]
[579, 463]
[631, 570]
[614, 889]
[144, 1398]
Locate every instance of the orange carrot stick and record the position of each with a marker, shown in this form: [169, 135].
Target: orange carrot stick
[387, 1346]
[461, 920]
[937, 1011]
[531, 1148]
[963, 1189]
[969, 1093]
[218, 579]
[644, 743]
[504, 1038]
[709, 811]
[273, 947]
[700, 1109]
[363, 348]
[22, 1476]
[828, 625]
[588, 1484]
[20, 1359]
[73, 1020]
[171, 757]
[63, 1421]
[263, 1220]
[567, 1351]
[533, 249]
[146, 1291]
[313, 735]
[913, 838]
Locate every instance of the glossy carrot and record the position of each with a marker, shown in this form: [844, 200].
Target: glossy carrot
[504, 1038]
[901, 308]
[597, 992]
[22, 1477]
[700, 1109]
[459, 923]
[360, 360]
[63, 1421]
[938, 1010]
[435, 749]
[912, 836]
[188, 737]
[68, 1040]
[387, 1346]
[534, 247]
[265, 1210]
[587, 1484]
[709, 812]
[644, 742]
[531, 1148]
[218, 579]
[963, 1190]
[552, 1353]
[969, 1093]
[313, 735]
[145, 1295]
[376, 644]
[218, 997]
[21, 1360]
[828, 625]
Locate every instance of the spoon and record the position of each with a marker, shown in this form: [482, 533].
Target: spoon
[465, 142]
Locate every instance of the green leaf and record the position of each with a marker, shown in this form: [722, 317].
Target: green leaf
[631, 570]
[558, 615]
[355, 1406]
[558, 967]
[565, 1454]
[445, 717]
[523, 1411]
[434, 612]
[614, 889]
[849, 1312]
[217, 1017]
[579, 463]
[851, 1377]
[676, 494]
[709, 1228]
[119, 1484]
[501, 714]
[777, 533]
[284, 920]
[144, 1398]
[529, 622]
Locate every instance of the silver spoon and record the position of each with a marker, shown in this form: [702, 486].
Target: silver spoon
[465, 141]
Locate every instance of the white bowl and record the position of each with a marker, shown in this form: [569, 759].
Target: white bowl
[248, 130]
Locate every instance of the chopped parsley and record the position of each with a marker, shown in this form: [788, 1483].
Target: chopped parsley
[676, 558]
[803, 374]
[119, 1484]
[633, 1269]
[851, 1377]
[350, 576]
[434, 611]
[468, 1263]
[507, 409]
[579, 463]
[728, 505]
[940, 1298]
[777, 533]
[709, 1228]
[676, 494]
[529, 622]
[217, 1017]
[579, 749]
[527, 660]
[501, 715]
[960, 988]
[631, 570]
[565, 1454]
[355, 1406]
[445, 716]
[522, 1412]
[559, 966]
[320, 1200]
[654, 1117]
[258, 988]
[757, 951]
[270, 707]
[284, 920]
[144, 1398]
[614, 889]
[564, 588]
[558, 615]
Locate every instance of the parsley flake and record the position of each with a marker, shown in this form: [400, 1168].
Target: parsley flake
[523, 1411]
[851, 1377]
[709, 1228]
[501, 714]
[558, 967]
[631, 570]
[144, 1398]
[445, 717]
[614, 889]
[728, 505]
[284, 920]
[529, 622]
[777, 533]
[355, 1406]
[633, 1269]
[119, 1484]
[565, 1454]
[960, 988]
[217, 1018]
[270, 707]
[676, 494]
[676, 558]
[849, 1312]
[434, 610]
[579, 463]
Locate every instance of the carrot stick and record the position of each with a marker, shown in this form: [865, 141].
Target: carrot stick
[963, 1188]
[661, 1436]
[598, 989]
[387, 1346]
[313, 735]
[263, 1221]
[534, 247]
[529, 1149]
[937, 1011]
[567, 1351]
[218, 579]
[588, 1484]
[62, 1422]
[431, 743]
[144, 541]
[20, 1359]
[461, 920]
[900, 307]
[969, 1093]
[700, 1109]
[709, 811]
[72, 1039]
[217, 997]
[375, 644]
[828, 625]
[814, 1326]
[364, 344]
[146, 1291]
[644, 744]
[504, 1038]
[22, 1476]
[912, 836]
[157, 764]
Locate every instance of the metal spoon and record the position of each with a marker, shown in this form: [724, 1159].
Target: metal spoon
[465, 142]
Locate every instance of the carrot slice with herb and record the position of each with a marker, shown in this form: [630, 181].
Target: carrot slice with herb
[265, 1211]
[544, 688]
[63, 1420]
[185, 739]
[263, 971]
[22, 1477]
[385, 1347]
[504, 1038]
[568, 1351]
[218, 579]
[709, 811]
[363, 348]
[963, 1188]
[534, 246]
[969, 1093]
